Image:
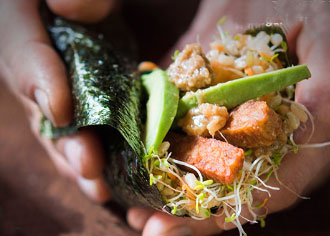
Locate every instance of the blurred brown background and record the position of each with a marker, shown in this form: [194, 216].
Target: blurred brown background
[36, 201]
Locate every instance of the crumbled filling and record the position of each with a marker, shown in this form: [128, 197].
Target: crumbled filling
[244, 55]
[230, 58]
[184, 185]
[191, 69]
[204, 120]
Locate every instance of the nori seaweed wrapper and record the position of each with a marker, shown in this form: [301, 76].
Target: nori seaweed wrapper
[106, 95]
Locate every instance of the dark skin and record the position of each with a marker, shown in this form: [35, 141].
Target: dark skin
[33, 70]
[36, 74]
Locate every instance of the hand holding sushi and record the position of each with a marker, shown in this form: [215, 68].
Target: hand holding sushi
[36, 74]
[301, 173]
[53, 96]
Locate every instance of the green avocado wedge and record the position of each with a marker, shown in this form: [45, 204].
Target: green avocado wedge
[162, 106]
[235, 92]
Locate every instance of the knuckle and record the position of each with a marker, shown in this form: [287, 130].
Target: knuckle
[290, 192]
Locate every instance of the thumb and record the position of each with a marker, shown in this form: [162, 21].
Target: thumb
[167, 225]
[29, 63]
[87, 11]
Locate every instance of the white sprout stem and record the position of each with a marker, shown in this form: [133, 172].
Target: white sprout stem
[223, 137]
[254, 215]
[174, 168]
[222, 35]
[175, 198]
[178, 177]
[258, 167]
[279, 50]
[269, 160]
[238, 193]
[159, 181]
[253, 221]
[238, 72]
[265, 171]
[182, 202]
[292, 140]
[314, 145]
[214, 185]
[240, 228]
[273, 47]
[168, 155]
[228, 205]
[205, 203]
[222, 198]
[264, 184]
[190, 166]
[237, 199]
[287, 188]
[225, 211]
[255, 162]
[261, 189]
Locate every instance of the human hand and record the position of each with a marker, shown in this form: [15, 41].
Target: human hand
[37, 76]
[302, 172]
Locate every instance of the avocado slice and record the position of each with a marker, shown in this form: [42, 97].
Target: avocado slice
[235, 92]
[162, 106]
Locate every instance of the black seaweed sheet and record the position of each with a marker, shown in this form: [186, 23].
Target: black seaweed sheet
[106, 93]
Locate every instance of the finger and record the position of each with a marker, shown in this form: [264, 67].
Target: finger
[34, 115]
[312, 49]
[167, 225]
[62, 166]
[29, 63]
[84, 153]
[297, 176]
[137, 217]
[203, 27]
[96, 189]
[87, 11]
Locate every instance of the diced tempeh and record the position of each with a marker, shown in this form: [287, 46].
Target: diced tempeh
[252, 124]
[215, 159]
[191, 70]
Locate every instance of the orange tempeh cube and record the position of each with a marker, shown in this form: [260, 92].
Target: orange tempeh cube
[215, 159]
[252, 124]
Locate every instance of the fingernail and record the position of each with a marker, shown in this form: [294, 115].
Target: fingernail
[88, 187]
[179, 231]
[96, 189]
[42, 100]
[72, 151]
[140, 219]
